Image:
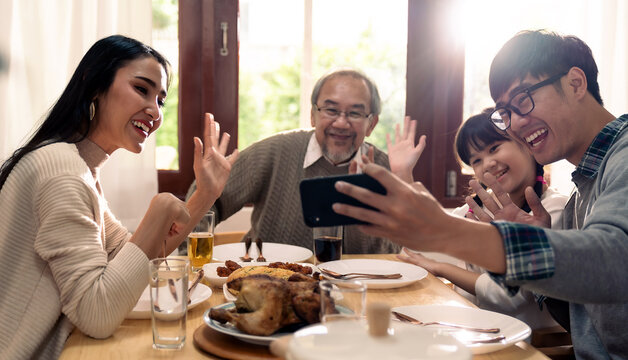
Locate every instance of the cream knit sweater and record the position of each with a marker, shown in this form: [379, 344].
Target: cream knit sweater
[64, 258]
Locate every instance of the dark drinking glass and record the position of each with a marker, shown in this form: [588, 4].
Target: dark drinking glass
[327, 243]
[327, 248]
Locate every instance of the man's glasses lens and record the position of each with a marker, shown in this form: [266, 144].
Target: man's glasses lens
[522, 104]
[334, 113]
[501, 118]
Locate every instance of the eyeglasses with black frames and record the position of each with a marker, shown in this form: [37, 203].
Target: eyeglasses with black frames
[332, 113]
[521, 103]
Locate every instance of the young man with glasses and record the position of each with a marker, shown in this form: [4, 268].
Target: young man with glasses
[547, 96]
[345, 109]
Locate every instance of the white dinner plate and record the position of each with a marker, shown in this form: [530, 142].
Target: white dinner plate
[209, 271]
[272, 252]
[142, 308]
[409, 273]
[351, 340]
[513, 329]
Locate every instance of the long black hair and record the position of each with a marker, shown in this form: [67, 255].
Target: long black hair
[477, 133]
[69, 119]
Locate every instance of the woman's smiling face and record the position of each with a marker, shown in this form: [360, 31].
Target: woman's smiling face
[131, 109]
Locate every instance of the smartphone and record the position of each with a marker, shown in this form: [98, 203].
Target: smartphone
[318, 195]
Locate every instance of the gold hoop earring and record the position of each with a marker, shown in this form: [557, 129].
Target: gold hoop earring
[92, 111]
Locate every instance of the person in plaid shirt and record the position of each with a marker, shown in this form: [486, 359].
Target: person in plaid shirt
[547, 97]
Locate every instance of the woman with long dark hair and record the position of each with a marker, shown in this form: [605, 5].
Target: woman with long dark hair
[65, 260]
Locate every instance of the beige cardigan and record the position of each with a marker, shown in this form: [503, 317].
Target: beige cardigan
[64, 258]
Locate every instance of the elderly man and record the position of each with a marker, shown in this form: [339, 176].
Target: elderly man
[345, 109]
[547, 96]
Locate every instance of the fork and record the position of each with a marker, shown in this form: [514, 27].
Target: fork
[349, 276]
[411, 320]
[260, 257]
[247, 246]
[197, 278]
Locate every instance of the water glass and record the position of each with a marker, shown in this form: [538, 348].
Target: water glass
[201, 242]
[169, 300]
[328, 243]
[342, 300]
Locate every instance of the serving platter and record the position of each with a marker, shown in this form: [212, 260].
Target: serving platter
[231, 330]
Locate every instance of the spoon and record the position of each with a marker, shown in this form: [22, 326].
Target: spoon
[348, 276]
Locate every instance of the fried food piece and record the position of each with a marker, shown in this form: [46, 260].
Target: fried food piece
[291, 266]
[296, 277]
[223, 271]
[230, 266]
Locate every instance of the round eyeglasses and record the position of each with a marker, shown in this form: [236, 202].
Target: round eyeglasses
[521, 103]
[332, 113]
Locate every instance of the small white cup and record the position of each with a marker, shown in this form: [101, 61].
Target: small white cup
[342, 300]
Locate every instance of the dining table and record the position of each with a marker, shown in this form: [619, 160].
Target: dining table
[133, 339]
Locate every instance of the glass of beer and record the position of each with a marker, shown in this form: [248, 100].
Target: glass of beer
[201, 242]
[327, 243]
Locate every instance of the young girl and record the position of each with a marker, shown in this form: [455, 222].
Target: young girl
[65, 260]
[489, 151]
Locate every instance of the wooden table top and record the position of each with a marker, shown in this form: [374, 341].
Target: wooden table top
[133, 339]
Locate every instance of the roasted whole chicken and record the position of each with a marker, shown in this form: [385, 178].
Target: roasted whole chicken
[266, 304]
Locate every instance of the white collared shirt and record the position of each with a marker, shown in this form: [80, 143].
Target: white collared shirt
[315, 152]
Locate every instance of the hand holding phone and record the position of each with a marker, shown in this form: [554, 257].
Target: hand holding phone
[319, 194]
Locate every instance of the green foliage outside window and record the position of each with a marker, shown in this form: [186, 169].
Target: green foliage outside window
[273, 106]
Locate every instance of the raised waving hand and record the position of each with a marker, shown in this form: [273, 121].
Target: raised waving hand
[403, 154]
[211, 165]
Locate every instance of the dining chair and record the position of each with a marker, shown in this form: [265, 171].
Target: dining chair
[228, 237]
[554, 342]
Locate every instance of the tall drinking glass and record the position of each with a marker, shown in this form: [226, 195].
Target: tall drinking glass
[201, 242]
[169, 301]
[327, 243]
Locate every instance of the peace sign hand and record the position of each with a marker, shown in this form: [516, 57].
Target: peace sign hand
[502, 207]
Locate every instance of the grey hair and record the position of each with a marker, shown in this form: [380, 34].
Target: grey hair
[375, 103]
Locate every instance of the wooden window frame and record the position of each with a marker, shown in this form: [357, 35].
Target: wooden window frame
[208, 82]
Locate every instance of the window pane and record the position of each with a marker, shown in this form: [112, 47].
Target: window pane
[371, 37]
[483, 42]
[166, 41]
